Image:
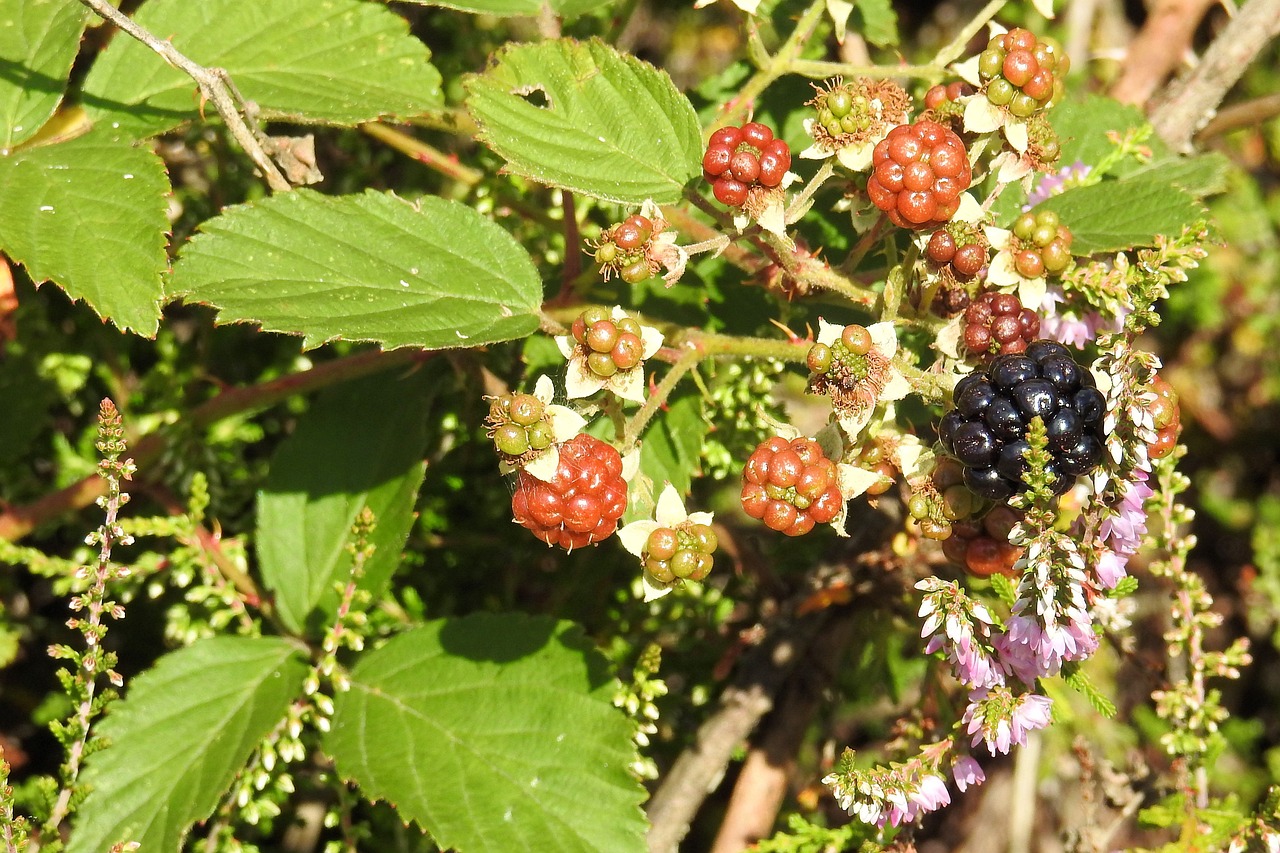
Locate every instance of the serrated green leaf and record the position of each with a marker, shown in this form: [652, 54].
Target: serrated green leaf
[361, 444]
[567, 9]
[1115, 215]
[495, 732]
[581, 116]
[879, 22]
[89, 215]
[1201, 176]
[179, 737]
[370, 267]
[39, 40]
[310, 61]
[1082, 126]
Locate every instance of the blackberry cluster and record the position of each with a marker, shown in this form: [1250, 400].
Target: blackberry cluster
[987, 429]
[739, 158]
[982, 548]
[622, 250]
[519, 426]
[610, 344]
[997, 324]
[920, 170]
[682, 552]
[791, 486]
[1167, 418]
[943, 102]
[874, 457]
[1042, 244]
[582, 503]
[1023, 73]
[965, 250]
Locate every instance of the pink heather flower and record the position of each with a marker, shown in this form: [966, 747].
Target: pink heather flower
[1045, 647]
[1072, 327]
[1000, 720]
[966, 625]
[967, 771]
[1057, 183]
[1110, 568]
[1123, 531]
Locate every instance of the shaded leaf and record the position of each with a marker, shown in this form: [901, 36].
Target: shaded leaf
[38, 41]
[581, 116]
[369, 267]
[89, 215]
[178, 739]
[671, 451]
[312, 61]
[359, 445]
[495, 732]
[879, 22]
[506, 8]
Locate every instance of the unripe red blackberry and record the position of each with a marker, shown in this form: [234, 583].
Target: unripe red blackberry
[1041, 244]
[610, 344]
[919, 172]
[987, 429]
[623, 249]
[1021, 73]
[582, 503]
[998, 324]
[982, 548]
[680, 553]
[791, 486]
[961, 246]
[1166, 417]
[519, 426]
[738, 159]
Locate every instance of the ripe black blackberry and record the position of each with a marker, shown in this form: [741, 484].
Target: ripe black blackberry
[987, 429]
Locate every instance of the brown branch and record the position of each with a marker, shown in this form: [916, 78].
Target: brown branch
[1248, 114]
[17, 522]
[1158, 49]
[1191, 102]
[215, 85]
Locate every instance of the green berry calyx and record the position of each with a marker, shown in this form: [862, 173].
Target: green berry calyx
[859, 111]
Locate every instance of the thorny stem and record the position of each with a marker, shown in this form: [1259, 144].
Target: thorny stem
[425, 154]
[93, 661]
[800, 203]
[215, 85]
[781, 63]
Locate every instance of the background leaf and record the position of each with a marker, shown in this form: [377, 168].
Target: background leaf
[370, 267]
[332, 62]
[178, 739]
[879, 22]
[38, 41]
[360, 444]
[89, 215]
[505, 8]
[495, 733]
[1115, 215]
[581, 116]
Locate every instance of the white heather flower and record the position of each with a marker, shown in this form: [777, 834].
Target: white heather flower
[670, 512]
[565, 424]
[582, 381]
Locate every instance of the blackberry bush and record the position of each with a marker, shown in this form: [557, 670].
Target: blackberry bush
[987, 429]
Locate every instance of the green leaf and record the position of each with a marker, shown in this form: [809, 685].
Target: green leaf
[879, 22]
[1201, 176]
[178, 739]
[581, 116]
[361, 444]
[1082, 126]
[505, 8]
[38, 41]
[312, 61]
[1115, 215]
[89, 215]
[671, 451]
[370, 267]
[495, 732]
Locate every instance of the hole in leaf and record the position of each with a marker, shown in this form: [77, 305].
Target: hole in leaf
[535, 95]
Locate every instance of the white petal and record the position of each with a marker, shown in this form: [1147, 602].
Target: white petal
[968, 70]
[997, 237]
[773, 218]
[969, 210]
[815, 152]
[995, 28]
[565, 422]
[854, 424]
[828, 333]
[636, 535]
[650, 209]
[839, 10]
[831, 441]
[748, 6]
[981, 116]
[1015, 130]
[653, 588]
[628, 384]
[1010, 167]
[1044, 7]
[856, 158]
[545, 464]
[702, 518]
[566, 344]
[741, 220]
[670, 510]
[1031, 291]
[885, 338]
[631, 464]
[913, 457]
[897, 387]
[544, 389]
[949, 337]
[580, 382]
[1002, 272]
[652, 340]
[854, 481]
